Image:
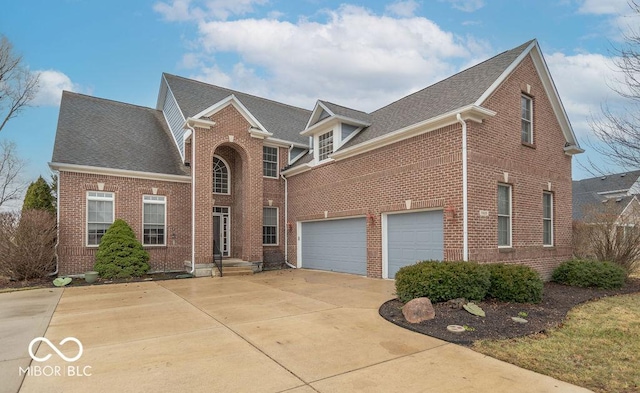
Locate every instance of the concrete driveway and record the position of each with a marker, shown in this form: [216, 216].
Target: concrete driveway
[296, 331]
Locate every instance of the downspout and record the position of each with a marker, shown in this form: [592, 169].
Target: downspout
[286, 221]
[465, 207]
[57, 226]
[193, 197]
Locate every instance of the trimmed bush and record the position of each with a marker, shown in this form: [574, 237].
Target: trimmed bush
[442, 281]
[588, 273]
[515, 283]
[120, 254]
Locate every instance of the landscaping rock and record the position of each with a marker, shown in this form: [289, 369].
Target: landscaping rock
[418, 310]
[457, 304]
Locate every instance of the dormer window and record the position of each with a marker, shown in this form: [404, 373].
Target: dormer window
[325, 145]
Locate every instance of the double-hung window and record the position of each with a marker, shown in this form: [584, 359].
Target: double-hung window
[547, 219]
[100, 210]
[325, 145]
[504, 215]
[270, 161]
[154, 220]
[270, 226]
[526, 109]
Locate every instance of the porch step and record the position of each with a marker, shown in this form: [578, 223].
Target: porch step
[230, 267]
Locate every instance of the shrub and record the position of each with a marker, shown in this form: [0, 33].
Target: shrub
[442, 281]
[515, 283]
[27, 244]
[588, 273]
[120, 254]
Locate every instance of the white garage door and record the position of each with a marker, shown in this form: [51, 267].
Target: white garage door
[335, 245]
[413, 237]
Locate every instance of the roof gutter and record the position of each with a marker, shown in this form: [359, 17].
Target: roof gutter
[465, 186]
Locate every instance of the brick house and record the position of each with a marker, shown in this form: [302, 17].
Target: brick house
[475, 167]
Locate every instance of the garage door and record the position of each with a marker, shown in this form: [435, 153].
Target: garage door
[336, 245]
[413, 237]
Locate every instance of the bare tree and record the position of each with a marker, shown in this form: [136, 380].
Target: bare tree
[11, 185]
[619, 127]
[18, 85]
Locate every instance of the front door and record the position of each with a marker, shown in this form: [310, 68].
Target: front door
[221, 230]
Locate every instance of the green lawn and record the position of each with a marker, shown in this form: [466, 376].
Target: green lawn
[598, 347]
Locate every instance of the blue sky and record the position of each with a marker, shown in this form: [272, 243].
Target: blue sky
[362, 54]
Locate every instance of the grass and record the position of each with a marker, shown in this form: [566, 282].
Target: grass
[597, 347]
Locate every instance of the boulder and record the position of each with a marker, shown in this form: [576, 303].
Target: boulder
[457, 304]
[418, 310]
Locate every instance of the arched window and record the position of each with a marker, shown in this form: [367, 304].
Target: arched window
[220, 176]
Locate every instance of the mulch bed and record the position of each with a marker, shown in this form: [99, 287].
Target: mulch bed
[7, 285]
[556, 303]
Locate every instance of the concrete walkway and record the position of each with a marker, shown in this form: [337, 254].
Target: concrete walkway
[24, 315]
[296, 331]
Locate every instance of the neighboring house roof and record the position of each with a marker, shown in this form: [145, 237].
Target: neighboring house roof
[457, 91]
[589, 194]
[102, 133]
[284, 121]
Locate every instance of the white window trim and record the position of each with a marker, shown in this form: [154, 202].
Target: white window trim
[510, 187]
[166, 232]
[277, 176]
[228, 176]
[529, 120]
[548, 219]
[277, 243]
[112, 199]
[317, 146]
[221, 215]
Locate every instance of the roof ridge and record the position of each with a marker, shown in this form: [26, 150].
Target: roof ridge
[236, 91]
[526, 44]
[67, 92]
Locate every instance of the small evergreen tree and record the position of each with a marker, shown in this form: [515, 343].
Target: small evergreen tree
[120, 254]
[39, 197]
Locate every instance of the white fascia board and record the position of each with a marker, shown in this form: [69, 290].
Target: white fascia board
[573, 149]
[190, 121]
[622, 214]
[327, 123]
[118, 172]
[283, 143]
[471, 112]
[317, 109]
[494, 86]
[332, 121]
[232, 100]
[258, 133]
[297, 170]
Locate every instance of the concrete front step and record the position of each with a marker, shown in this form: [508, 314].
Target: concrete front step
[230, 267]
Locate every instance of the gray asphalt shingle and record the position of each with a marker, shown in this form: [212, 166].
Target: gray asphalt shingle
[284, 121]
[586, 197]
[109, 134]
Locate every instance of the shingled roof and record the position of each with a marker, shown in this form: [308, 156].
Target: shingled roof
[284, 121]
[340, 110]
[457, 91]
[109, 134]
[589, 194]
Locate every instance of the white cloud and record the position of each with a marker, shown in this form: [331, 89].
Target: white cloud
[466, 5]
[584, 83]
[185, 10]
[341, 59]
[600, 7]
[403, 9]
[50, 86]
